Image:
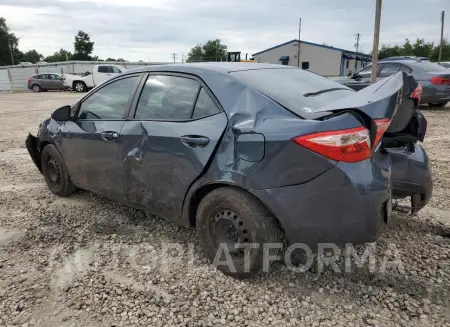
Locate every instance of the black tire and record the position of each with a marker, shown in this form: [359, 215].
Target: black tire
[437, 105]
[55, 172]
[36, 88]
[79, 87]
[251, 220]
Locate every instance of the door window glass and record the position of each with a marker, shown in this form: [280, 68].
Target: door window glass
[103, 69]
[204, 106]
[109, 102]
[389, 69]
[114, 70]
[406, 69]
[167, 98]
[366, 72]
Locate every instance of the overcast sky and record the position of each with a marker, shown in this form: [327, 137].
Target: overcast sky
[143, 29]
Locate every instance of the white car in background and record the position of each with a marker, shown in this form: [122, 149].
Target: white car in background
[445, 64]
[100, 74]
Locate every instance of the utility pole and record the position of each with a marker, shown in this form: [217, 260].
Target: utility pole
[298, 45]
[357, 36]
[376, 41]
[442, 36]
[174, 56]
[11, 51]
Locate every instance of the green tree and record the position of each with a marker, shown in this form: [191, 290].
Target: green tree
[7, 39]
[83, 46]
[419, 48]
[61, 55]
[214, 50]
[32, 56]
[434, 56]
[195, 54]
[110, 59]
[121, 60]
[422, 48]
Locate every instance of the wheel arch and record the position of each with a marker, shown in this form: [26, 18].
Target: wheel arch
[202, 191]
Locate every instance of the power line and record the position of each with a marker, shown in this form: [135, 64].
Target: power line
[357, 36]
[174, 56]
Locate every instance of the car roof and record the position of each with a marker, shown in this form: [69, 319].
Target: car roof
[223, 67]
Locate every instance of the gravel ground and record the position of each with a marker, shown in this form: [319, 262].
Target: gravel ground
[87, 261]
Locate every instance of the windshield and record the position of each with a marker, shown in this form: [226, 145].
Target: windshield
[294, 88]
[428, 66]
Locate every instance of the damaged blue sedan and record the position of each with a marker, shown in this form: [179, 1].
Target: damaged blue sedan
[245, 153]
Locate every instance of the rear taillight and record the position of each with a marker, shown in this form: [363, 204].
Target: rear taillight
[29, 80]
[417, 93]
[348, 145]
[382, 126]
[440, 80]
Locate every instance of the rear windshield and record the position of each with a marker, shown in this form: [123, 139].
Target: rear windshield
[293, 88]
[428, 66]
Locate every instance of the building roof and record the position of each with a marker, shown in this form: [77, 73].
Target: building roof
[314, 44]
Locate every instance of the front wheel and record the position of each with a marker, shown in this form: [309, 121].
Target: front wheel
[80, 87]
[55, 172]
[233, 228]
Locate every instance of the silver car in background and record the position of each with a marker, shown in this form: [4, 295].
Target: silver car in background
[45, 82]
[435, 79]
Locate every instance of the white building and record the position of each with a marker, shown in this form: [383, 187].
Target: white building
[318, 58]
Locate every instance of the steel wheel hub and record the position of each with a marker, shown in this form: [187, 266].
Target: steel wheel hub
[229, 229]
[53, 171]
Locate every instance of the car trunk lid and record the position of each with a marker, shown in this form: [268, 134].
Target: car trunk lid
[394, 99]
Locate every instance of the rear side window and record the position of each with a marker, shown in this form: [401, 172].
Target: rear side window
[288, 87]
[167, 97]
[204, 106]
[406, 69]
[428, 66]
[103, 69]
[389, 69]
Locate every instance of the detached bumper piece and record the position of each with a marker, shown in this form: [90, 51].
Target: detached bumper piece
[32, 146]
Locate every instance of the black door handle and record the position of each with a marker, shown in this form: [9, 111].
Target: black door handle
[110, 136]
[195, 141]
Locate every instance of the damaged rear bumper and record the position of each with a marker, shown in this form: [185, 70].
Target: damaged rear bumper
[32, 144]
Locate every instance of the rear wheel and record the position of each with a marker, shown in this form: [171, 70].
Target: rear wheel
[437, 105]
[80, 87]
[55, 172]
[228, 221]
[36, 88]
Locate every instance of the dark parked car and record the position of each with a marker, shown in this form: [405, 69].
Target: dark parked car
[435, 79]
[45, 82]
[237, 152]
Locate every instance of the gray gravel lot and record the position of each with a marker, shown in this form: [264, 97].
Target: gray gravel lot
[87, 261]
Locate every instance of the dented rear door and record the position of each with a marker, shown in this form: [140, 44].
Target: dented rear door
[168, 144]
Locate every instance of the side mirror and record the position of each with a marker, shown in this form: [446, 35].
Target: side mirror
[62, 114]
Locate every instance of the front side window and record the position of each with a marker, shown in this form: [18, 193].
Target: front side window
[114, 70]
[109, 102]
[167, 97]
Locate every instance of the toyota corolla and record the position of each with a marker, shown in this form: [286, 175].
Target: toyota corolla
[244, 153]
